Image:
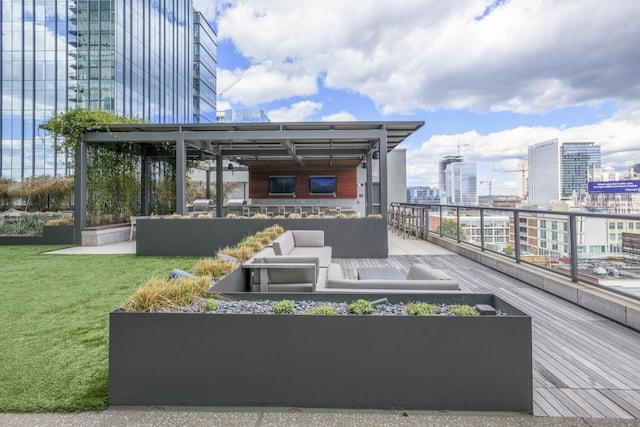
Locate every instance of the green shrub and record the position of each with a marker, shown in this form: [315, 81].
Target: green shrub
[361, 306]
[420, 309]
[463, 310]
[284, 306]
[211, 304]
[323, 310]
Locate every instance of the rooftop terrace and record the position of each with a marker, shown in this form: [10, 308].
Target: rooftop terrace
[584, 365]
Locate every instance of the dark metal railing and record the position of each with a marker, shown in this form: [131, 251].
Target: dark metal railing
[525, 240]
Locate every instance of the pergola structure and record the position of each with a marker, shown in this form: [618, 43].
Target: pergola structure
[277, 146]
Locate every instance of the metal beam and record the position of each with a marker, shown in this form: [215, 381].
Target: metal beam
[181, 177]
[80, 192]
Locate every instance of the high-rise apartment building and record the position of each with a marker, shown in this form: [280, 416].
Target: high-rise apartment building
[544, 172]
[461, 184]
[557, 170]
[150, 59]
[442, 167]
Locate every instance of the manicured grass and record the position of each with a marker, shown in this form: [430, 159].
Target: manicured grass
[54, 323]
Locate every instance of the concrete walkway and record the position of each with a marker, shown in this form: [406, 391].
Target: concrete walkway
[260, 417]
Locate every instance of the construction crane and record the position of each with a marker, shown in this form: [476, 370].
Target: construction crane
[523, 171]
[233, 83]
[487, 182]
[461, 145]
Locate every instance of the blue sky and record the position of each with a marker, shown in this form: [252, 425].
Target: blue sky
[490, 76]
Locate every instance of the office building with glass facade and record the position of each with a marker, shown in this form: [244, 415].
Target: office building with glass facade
[139, 58]
[461, 186]
[557, 170]
[578, 159]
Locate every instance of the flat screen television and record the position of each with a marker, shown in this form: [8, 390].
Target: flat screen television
[282, 184]
[322, 185]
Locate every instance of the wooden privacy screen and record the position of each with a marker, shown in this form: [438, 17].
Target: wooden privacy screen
[347, 184]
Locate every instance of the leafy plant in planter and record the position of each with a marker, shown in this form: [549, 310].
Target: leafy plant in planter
[361, 306]
[463, 310]
[211, 304]
[284, 306]
[420, 309]
[323, 310]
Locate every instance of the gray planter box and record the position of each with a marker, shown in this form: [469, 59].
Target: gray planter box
[350, 238]
[51, 235]
[480, 363]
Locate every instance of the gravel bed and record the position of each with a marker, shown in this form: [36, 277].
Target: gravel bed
[301, 307]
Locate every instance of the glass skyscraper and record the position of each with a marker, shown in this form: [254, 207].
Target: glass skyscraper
[461, 186]
[578, 158]
[150, 59]
[557, 170]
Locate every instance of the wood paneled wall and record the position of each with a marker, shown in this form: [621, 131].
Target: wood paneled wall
[347, 184]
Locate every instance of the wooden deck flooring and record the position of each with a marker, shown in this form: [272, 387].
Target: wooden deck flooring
[583, 364]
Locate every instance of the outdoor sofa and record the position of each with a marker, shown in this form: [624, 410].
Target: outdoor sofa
[294, 262]
[421, 278]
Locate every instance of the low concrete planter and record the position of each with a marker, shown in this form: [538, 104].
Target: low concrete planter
[349, 238]
[105, 234]
[479, 363]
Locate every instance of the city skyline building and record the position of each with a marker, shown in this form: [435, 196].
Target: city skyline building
[442, 177]
[577, 158]
[423, 194]
[557, 171]
[151, 61]
[461, 186]
[253, 115]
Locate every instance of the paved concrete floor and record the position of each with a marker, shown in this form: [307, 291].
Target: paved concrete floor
[258, 417]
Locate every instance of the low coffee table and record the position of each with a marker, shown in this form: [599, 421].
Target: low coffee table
[380, 273]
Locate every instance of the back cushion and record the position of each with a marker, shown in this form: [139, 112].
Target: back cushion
[308, 238]
[284, 244]
[293, 275]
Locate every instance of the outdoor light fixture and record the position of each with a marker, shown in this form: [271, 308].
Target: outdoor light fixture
[230, 166]
[364, 165]
[376, 155]
[201, 156]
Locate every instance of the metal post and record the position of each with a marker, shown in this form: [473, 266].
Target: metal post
[481, 229]
[382, 166]
[181, 175]
[80, 191]
[573, 242]
[219, 195]
[458, 223]
[516, 231]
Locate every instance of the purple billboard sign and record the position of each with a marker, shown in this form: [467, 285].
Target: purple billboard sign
[614, 187]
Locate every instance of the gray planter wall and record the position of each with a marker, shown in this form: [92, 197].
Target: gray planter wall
[349, 238]
[52, 235]
[480, 363]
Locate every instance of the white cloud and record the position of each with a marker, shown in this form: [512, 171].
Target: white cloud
[525, 56]
[341, 116]
[497, 154]
[297, 112]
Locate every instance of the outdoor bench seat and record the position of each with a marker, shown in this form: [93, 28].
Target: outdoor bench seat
[295, 262]
[420, 278]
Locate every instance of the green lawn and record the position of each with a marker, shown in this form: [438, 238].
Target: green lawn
[54, 323]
